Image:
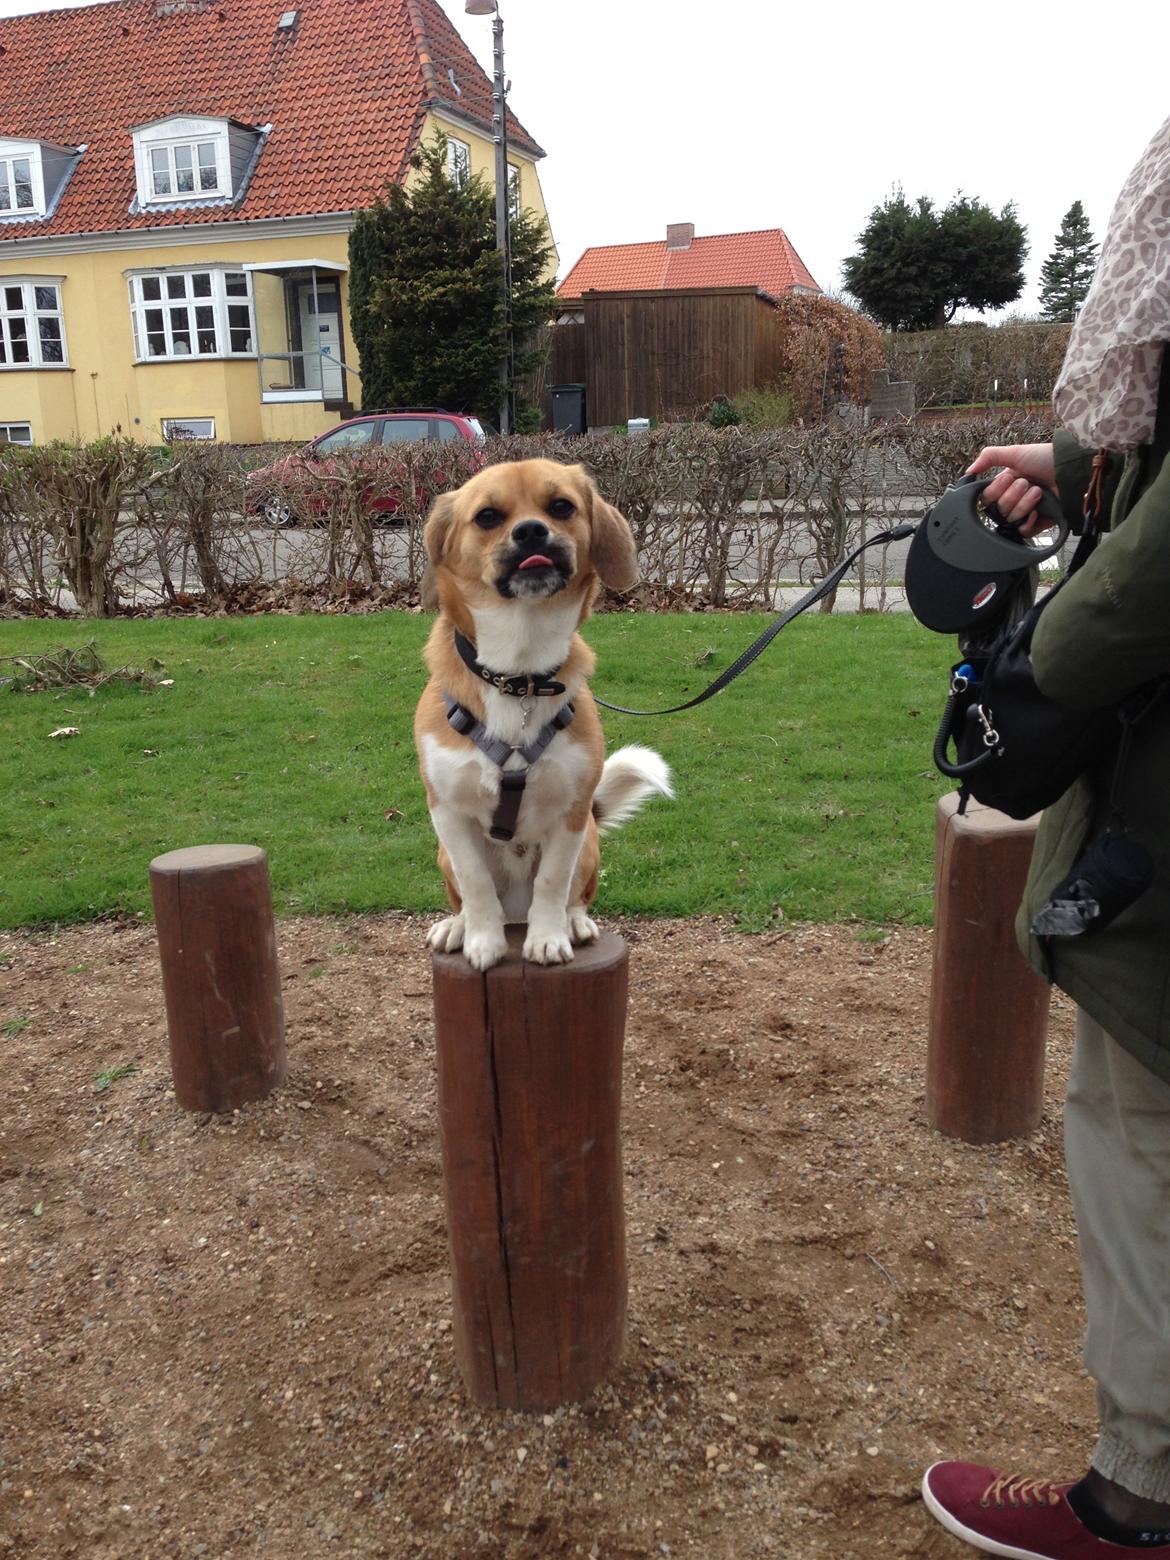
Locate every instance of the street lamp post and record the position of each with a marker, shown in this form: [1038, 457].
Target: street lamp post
[503, 223]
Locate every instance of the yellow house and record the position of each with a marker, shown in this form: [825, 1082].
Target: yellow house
[178, 179]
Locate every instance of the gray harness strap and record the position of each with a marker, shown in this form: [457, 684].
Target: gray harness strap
[512, 781]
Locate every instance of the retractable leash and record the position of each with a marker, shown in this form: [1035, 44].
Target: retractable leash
[899, 534]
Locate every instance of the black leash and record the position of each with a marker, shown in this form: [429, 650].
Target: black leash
[900, 533]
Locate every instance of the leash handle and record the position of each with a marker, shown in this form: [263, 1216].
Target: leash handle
[900, 533]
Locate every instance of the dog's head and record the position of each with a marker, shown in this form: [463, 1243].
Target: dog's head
[526, 531]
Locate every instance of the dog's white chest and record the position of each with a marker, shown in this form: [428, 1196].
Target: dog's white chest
[466, 779]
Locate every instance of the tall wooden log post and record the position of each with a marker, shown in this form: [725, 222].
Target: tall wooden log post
[530, 1067]
[221, 980]
[988, 1010]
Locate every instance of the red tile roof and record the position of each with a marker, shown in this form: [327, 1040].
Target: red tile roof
[765, 259]
[345, 92]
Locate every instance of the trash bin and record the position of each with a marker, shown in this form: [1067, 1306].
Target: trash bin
[637, 425]
[568, 408]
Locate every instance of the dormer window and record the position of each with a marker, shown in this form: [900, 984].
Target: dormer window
[33, 175]
[183, 161]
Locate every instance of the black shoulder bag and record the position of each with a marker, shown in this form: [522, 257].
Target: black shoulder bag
[1015, 749]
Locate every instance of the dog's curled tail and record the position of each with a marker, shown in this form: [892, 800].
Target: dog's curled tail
[630, 776]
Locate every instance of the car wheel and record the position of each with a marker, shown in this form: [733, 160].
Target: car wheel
[278, 511]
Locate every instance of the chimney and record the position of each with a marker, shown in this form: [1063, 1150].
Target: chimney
[680, 235]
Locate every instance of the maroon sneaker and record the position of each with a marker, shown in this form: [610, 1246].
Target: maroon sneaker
[1022, 1519]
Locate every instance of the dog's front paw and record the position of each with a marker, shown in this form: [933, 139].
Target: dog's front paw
[581, 928]
[446, 936]
[548, 945]
[485, 946]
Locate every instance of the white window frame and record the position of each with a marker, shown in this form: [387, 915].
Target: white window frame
[515, 192]
[173, 159]
[177, 427]
[458, 162]
[170, 139]
[11, 153]
[6, 430]
[179, 312]
[23, 322]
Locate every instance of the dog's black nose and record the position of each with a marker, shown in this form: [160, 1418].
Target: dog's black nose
[530, 533]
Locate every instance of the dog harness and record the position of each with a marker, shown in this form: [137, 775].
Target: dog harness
[512, 781]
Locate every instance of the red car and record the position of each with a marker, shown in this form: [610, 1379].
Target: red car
[370, 431]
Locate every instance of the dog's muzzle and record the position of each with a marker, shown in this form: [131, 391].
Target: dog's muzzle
[534, 563]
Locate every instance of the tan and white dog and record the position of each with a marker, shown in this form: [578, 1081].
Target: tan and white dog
[509, 742]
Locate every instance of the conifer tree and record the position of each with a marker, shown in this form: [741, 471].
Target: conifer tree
[425, 291]
[1066, 275]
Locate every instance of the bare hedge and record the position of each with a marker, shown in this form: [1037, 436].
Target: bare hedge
[722, 518]
[1016, 361]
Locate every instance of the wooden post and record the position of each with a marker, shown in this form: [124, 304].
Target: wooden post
[221, 980]
[530, 1069]
[988, 1009]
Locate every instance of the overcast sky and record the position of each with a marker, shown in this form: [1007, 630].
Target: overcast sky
[744, 114]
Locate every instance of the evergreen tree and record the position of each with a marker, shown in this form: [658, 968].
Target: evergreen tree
[1066, 275]
[917, 266]
[426, 303]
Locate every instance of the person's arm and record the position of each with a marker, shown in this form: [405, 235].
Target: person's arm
[1108, 630]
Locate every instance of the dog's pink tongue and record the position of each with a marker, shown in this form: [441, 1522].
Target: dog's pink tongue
[537, 561]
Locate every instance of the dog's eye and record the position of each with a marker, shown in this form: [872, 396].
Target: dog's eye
[562, 509]
[488, 518]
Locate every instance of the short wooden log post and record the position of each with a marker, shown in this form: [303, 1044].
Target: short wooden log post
[530, 1069]
[221, 980]
[988, 1009]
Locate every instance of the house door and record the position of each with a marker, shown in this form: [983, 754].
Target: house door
[321, 340]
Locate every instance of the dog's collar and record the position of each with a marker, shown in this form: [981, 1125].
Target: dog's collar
[523, 685]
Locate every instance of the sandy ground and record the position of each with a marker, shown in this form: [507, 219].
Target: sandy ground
[231, 1336]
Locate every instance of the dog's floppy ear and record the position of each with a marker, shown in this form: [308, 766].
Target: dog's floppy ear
[442, 512]
[611, 548]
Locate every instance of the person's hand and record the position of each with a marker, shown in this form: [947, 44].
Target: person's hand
[1027, 470]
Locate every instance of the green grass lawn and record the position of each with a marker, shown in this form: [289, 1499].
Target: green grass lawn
[806, 790]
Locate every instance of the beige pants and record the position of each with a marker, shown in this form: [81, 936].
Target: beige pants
[1117, 1144]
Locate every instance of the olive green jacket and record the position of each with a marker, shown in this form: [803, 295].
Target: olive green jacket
[1106, 634]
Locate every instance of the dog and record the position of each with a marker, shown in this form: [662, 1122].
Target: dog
[508, 737]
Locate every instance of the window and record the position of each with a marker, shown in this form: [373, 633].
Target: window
[405, 430]
[347, 438]
[15, 433]
[514, 200]
[191, 314]
[32, 331]
[184, 168]
[17, 192]
[188, 428]
[458, 162]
